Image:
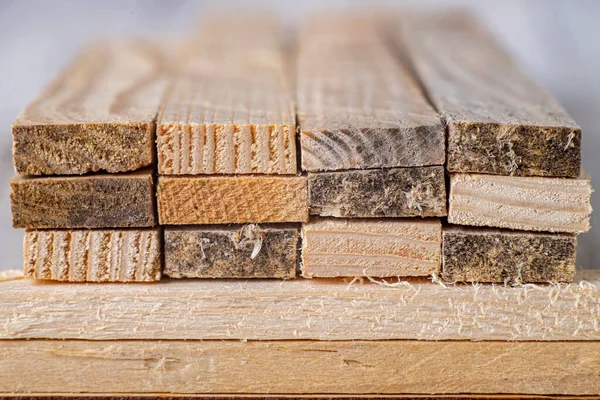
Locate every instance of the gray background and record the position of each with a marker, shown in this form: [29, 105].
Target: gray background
[556, 41]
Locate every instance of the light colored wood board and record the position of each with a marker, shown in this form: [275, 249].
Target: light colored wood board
[97, 115]
[377, 248]
[87, 201]
[523, 203]
[377, 193]
[500, 121]
[247, 251]
[358, 104]
[501, 256]
[93, 255]
[312, 309]
[11, 274]
[307, 367]
[232, 199]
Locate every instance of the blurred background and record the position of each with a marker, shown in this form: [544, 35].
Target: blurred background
[555, 41]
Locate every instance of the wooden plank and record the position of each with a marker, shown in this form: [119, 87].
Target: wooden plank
[377, 248]
[93, 255]
[229, 199]
[394, 192]
[524, 203]
[248, 251]
[308, 367]
[358, 105]
[97, 115]
[492, 255]
[499, 120]
[308, 309]
[87, 201]
[11, 274]
[229, 110]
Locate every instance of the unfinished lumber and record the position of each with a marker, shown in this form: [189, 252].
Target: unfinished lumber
[307, 309]
[11, 274]
[503, 256]
[499, 120]
[524, 203]
[248, 251]
[88, 201]
[93, 255]
[359, 105]
[376, 248]
[231, 199]
[394, 192]
[307, 367]
[98, 115]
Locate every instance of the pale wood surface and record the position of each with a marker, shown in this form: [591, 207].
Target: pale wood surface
[87, 201]
[97, 115]
[358, 104]
[93, 255]
[302, 367]
[232, 199]
[319, 309]
[377, 248]
[523, 203]
[499, 120]
[225, 251]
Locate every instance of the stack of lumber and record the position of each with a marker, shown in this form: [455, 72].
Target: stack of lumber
[411, 148]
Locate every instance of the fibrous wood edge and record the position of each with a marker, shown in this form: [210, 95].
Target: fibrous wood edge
[98, 115]
[377, 248]
[317, 309]
[523, 203]
[501, 256]
[11, 274]
[359, 105]
[248, 251]
[87, 201]
[499, 120]
[93, 255]
[387, 367]
[232, 199]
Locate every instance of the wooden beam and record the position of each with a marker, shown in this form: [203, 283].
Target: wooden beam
[229, 199]
[358, 105]
[317, 309]
[378, 248]
[523, 203]
[248, 251]
[492, 255]
[97, 115]
[93, 255]
[499, 120]
[395, 192]
[87, 201]
[307, 367]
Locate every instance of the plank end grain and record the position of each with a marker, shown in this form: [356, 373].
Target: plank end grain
[88, 201]
[503, 256]
[193, 200]
[248, 251]
[371, 247]
[93, 255]
[98, 115]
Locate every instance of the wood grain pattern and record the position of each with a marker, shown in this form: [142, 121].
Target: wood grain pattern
[492, 255]
[308, 309]
[93, 255]
[378, 248]
[88, 201]
[224, 200]
[523, 203]
[499, 120]
[394, 192]
[358, 105]
[248, 251]
[381, 367]
[97, 115]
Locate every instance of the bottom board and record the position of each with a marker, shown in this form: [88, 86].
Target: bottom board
[299, 367]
